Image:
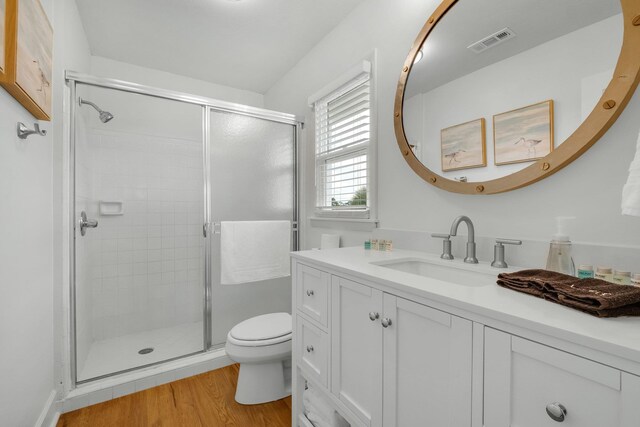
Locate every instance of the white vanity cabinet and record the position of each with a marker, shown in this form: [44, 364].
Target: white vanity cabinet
[522, 379]
[385, 355]
[393, 362]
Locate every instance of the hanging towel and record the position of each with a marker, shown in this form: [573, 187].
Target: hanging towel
[254, 250]
[631, 190]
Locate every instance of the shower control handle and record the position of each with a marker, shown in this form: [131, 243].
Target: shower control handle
[86, 223]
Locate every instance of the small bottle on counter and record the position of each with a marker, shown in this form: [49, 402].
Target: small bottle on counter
[604, 273]
[585, 272]
[559, 258]
[388, 246]
[635, 279]
[622, 277]
[367, 245]
[375, 245]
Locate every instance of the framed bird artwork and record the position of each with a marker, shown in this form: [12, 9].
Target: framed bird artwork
[523, 135]
[463, 146]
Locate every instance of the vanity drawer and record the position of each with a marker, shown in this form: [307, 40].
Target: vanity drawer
[524, 380]
[313, 293]
[312, 345]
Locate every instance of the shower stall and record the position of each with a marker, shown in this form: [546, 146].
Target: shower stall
[153, 174]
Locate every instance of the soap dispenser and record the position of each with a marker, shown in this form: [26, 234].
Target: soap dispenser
[559, 258]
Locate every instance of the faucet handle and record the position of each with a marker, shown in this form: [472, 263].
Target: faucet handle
[498, 252]
[446, 245]
[508, 242]
[441, 236]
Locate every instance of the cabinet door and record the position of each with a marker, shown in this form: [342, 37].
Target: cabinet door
[427, 366]
[522, 378]
[356, 349]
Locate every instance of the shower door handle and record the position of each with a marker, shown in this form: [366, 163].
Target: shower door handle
[86, 223]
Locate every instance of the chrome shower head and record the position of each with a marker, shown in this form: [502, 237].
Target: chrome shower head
[105, 116]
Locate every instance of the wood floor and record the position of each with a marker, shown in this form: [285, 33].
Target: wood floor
[203, 400]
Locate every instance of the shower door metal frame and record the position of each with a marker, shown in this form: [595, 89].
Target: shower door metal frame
[208, 105]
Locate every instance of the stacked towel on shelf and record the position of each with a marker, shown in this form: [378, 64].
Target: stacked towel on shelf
[631, 190]
[252, 251]
[320, 412]
[593, 296]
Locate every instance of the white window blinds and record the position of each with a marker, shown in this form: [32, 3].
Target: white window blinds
[343, 131]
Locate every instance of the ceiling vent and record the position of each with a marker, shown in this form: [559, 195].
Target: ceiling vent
[493, 40]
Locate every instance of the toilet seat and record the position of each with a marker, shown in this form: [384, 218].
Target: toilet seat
[258, 343]
[259, 331]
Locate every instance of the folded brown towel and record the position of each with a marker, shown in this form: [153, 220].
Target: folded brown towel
[593, 296]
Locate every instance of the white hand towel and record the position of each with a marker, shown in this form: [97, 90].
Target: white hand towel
[254, 250]
[631, 190]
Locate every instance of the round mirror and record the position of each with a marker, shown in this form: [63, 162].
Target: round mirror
[497, 94]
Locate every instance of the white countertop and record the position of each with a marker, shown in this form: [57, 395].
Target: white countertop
[618, 336]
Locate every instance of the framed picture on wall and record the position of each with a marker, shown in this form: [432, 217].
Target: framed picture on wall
[28, 56]
[3, 15]
[523, 135]
[463, 146]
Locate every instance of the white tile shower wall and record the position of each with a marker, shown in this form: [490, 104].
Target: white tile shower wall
[147, 271]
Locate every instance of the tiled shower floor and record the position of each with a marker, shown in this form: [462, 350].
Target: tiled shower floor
[121, 353]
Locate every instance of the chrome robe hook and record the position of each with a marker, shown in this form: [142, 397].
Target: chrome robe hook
[24, 132]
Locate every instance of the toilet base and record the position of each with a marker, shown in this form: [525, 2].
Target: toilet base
[262, 383]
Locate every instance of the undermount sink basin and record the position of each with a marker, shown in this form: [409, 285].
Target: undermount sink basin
[454, 271]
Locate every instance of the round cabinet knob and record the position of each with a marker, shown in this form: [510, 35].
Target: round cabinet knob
[386, 322]
[309, 348]
[373, 316]
[310, 293]
[556, 411]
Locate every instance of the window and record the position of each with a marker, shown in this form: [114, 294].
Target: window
[343, 143]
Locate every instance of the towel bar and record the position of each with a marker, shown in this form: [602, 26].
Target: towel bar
[217, 227]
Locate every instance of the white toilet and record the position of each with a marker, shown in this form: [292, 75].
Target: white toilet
[262, 346]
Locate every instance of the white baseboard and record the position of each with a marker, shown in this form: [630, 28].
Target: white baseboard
[50, 412]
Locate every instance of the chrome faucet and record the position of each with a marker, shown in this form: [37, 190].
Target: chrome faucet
[471, 244]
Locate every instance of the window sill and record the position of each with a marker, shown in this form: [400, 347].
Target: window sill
[357, 224]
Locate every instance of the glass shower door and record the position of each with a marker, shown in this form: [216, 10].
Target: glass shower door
[139, 262]
[252, 179]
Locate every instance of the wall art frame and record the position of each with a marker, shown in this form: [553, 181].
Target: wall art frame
[463, 146]
[29, 56]
[524, 134]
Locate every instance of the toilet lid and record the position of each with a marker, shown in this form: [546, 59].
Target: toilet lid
[265, 327]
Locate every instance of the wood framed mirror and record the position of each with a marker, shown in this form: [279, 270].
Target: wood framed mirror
[498, 94]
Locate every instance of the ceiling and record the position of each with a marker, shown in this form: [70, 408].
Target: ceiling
[246, 44]
[446, 56]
